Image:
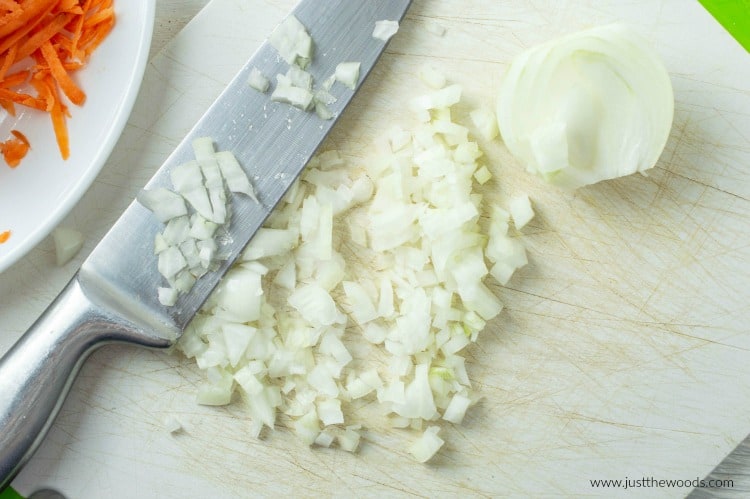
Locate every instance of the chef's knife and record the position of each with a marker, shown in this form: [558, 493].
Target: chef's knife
[113, 296]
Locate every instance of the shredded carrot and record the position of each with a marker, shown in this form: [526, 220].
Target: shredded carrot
[51, 39]
[4, 236]
[15, 148]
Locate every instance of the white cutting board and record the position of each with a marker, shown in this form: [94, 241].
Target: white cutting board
[623, 349]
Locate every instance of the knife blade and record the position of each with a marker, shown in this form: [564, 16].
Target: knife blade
[113, 296]
[730, 478]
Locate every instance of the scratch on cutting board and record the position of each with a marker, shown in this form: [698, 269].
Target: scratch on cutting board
[388, 484]
[702, 183]
[620, 424]
[543, 300]
[323, 460]
[740, 132]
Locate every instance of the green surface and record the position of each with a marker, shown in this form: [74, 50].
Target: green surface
[10, 494]
[734, 15]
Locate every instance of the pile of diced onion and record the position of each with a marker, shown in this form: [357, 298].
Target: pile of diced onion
[388, 255]
[195, 213]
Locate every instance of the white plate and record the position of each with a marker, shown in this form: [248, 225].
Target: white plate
[35, 196]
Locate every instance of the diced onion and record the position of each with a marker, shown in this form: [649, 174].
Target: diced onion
[457, 408]
[291, 40]
[427, 445]
[172, 424]
[486, 122]
[258, 81]
[385, 29]
[298, 97]
[187, 246]
[68, 242]
[165, 204]
[521, 210]
[280, 326]
[432, 77]
[348, 73]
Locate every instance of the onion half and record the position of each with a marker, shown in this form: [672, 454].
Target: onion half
[587, 107]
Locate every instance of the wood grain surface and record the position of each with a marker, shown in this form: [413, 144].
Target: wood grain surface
[623, 348]
[170, 16]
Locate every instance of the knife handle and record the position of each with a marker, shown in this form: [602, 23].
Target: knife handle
[37, 372]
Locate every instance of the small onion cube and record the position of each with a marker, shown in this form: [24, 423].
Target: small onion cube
[374, 333]
[203, 148]
[248, 382]
[324, 439]
[431, 76]
[270, 242]
[258, 81]
[358, 388]
[427, 445]
[167, 296]
[172, 424]
[200, 228]
[165, 204]
[482, 175]
[189, 250]
[234, 175]
[362, 308]
[298, 97]
[67, 243]
[187, 176]
[329, 412]
[216, 393]
[315, 304]
[236, 339]
[176, 231]
[206, 252]
[321, 109]
[322, 96]
[299, 78]
[183, 281]
[392, 392]
[486, 122]
[322, 380]
[348, 73]
[160, 244]
[419, 402]
[481, 300]
[286, 277]
[171, 261]
[506, 249]
[349, 440]
[521, 210]
[385, 29]
[307, 427]
[502, 272]
[331, 345]
[291, 40]
[442, 98]
[239, 294]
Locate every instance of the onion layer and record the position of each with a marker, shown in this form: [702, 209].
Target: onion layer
[587, 107]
